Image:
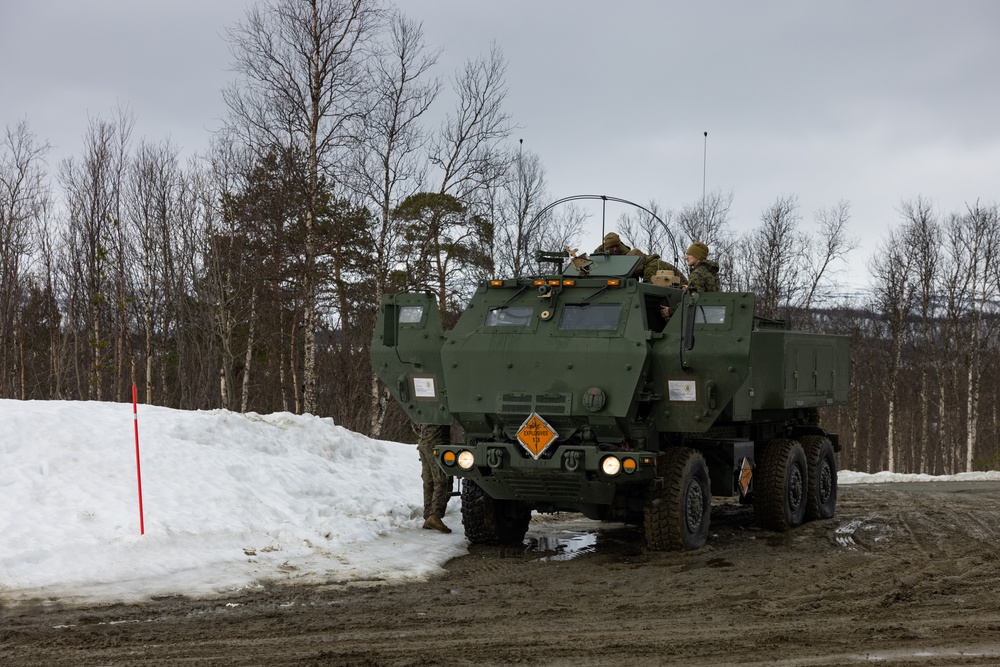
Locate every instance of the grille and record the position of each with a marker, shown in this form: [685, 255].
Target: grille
[543, 404]
[535, 487]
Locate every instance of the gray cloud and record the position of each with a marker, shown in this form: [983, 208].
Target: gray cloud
[869, 102]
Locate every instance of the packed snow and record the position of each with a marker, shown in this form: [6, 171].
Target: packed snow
[230, 502]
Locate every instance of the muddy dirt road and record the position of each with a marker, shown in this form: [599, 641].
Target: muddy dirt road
[905, 574]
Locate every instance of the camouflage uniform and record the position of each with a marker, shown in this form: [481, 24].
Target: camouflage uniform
[437, 485]
[650, 264]
[705, 276]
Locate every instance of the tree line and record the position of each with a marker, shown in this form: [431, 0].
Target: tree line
[248, 278]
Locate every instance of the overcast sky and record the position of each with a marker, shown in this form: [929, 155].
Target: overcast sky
[871, 102]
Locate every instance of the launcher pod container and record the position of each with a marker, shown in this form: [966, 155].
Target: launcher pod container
[575, 393]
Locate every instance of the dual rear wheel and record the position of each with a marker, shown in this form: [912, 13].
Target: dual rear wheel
[795, 481]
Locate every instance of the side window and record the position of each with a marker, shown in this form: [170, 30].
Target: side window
[710, 315]
[411, 314]
[510, 316]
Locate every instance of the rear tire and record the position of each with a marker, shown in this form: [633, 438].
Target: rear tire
[822, 502]
[781, 484]
[678, 510]
[490, 521]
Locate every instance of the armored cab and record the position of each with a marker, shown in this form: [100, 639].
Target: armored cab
[576, 393]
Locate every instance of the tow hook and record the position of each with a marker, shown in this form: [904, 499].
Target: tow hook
[494, 457]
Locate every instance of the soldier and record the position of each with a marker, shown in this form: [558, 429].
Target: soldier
[704, 272]
[612, 245]
[654, 270]
[651, 264]
[437, 485]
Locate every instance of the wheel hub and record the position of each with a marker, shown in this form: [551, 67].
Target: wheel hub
[796, 489]
[694, 506]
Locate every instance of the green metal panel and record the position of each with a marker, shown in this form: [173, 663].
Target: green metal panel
[698, 384]
[540, 365]
[794, 369]
[406, 356]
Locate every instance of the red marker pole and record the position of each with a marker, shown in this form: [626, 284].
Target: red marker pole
[138, 472]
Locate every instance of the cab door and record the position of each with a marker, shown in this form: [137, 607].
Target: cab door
[406, 355]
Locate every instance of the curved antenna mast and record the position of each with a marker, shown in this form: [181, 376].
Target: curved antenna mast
[604, 201]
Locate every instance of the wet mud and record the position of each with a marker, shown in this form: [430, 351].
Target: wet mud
[902, 575]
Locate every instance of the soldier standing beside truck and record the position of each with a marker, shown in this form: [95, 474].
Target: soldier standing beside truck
[437, 485]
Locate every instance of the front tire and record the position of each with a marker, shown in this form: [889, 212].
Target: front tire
[490, 521]
[781, 486]
[678, 510]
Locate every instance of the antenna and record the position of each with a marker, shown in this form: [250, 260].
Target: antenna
[604, 208]
[704, 170]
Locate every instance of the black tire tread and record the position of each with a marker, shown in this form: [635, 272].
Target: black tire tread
[484, 517]
[663, 519]
[817, 446]
[769, 485]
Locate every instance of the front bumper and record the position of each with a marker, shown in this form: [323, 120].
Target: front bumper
[573, 476]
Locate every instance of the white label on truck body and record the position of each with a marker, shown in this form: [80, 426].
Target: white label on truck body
[682, 390]
[424, 388]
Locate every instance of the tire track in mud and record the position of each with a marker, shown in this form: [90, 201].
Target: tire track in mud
[897, 576]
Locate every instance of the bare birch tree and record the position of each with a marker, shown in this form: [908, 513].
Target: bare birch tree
[773, 258]
[892, 302]
[519, 231]
[303, 80]
[980, 233]
[708, 221]
[922, 234]
[829, 244]
[466, 152]
[94, 187]
[23, 197]
[151, 201]
[645, 231]
[387, 160]
[468, 162]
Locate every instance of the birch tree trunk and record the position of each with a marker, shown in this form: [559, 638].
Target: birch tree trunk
[248, 357]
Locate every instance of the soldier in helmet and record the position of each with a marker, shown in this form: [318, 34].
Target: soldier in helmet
[612, 245]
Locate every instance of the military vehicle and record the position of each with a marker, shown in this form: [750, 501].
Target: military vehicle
[575, 393]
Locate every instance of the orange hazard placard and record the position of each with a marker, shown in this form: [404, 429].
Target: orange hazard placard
[535, 435]
[746, 476]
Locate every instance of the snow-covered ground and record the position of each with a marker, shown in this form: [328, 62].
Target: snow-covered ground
[230, 502]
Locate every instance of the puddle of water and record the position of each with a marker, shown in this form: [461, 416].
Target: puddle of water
[564, 544]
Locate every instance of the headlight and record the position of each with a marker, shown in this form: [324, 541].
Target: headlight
[466, 460]
[629, 466]
[448, 458]
[611, 466]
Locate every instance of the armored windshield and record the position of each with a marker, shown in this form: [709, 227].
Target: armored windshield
[590, 317]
